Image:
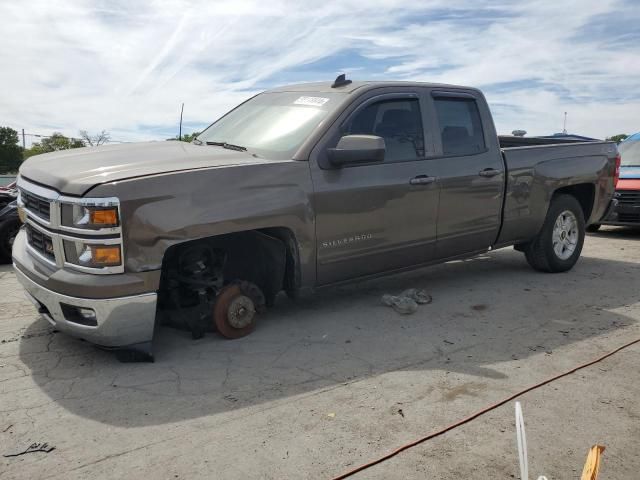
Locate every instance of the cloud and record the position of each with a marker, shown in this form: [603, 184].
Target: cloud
[126, 66]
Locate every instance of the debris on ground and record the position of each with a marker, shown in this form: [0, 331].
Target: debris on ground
[592, 465]
[402, 305]
[419, 296]
[33, 448]
[407, 302]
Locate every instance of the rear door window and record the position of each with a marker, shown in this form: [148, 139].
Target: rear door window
[460, 126]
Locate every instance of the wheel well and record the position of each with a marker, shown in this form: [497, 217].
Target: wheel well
[267, 257]
[293, 274]
[584, 193]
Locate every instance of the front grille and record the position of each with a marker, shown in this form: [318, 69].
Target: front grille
[628, 197]
[40, 242]
[39, 206]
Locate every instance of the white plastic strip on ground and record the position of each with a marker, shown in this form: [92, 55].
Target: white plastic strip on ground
[522, 445]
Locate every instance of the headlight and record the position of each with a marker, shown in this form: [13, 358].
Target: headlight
[92, 255]
[94, 217]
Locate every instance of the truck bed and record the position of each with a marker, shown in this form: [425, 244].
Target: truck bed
[536, 170]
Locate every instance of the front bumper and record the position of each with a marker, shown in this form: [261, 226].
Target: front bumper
[624, 210]
[120, 321]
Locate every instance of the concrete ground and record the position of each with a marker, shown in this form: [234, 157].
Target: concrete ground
[327, 383]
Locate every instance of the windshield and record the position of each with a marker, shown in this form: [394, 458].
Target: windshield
[630, 151]
[272, 125]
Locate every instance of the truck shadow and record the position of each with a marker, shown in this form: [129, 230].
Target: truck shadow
[485, 311]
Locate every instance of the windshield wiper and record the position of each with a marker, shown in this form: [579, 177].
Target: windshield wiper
[228, 146]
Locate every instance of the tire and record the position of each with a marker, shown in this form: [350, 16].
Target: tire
[8, 231]
[552, 250]
[594, 227]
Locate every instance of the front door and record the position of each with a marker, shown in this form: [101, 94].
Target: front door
[377, 217]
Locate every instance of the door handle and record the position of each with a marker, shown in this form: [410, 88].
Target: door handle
[422, 180]
[489, 172]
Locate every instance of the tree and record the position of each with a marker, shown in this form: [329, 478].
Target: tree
[54, 143]
[617, 138]
[188, 137]
[10, 151]
[8, 136]
[95, 140]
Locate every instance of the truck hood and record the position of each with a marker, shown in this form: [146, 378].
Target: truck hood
[76, 171]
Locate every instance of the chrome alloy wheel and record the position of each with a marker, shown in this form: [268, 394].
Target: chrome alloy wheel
[565, 235]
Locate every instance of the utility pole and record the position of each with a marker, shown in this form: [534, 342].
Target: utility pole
[564, 130]
[24, 144]
[180, 131]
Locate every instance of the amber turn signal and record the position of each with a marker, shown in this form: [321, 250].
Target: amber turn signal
[106, 217]
[106, 255]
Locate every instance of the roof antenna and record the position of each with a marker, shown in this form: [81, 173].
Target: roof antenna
[340, 81]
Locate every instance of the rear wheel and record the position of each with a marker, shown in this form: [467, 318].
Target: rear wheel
[558, 245]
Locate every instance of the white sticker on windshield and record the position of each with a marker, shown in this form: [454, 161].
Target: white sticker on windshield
[313, 101]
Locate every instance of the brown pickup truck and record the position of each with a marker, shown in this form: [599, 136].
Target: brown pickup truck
[297, 188]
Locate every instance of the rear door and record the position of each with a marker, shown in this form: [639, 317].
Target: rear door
[376, 217]
[470, 173]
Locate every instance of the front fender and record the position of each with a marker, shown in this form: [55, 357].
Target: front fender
[164, 210]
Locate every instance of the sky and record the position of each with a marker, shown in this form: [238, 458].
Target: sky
[126, 66]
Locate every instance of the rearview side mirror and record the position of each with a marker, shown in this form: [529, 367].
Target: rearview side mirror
[355, 149]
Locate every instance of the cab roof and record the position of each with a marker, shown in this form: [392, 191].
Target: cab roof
[359, 86]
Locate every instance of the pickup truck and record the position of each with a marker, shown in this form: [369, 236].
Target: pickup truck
[297, 188]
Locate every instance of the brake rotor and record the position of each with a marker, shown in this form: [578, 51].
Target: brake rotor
[235, 310]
